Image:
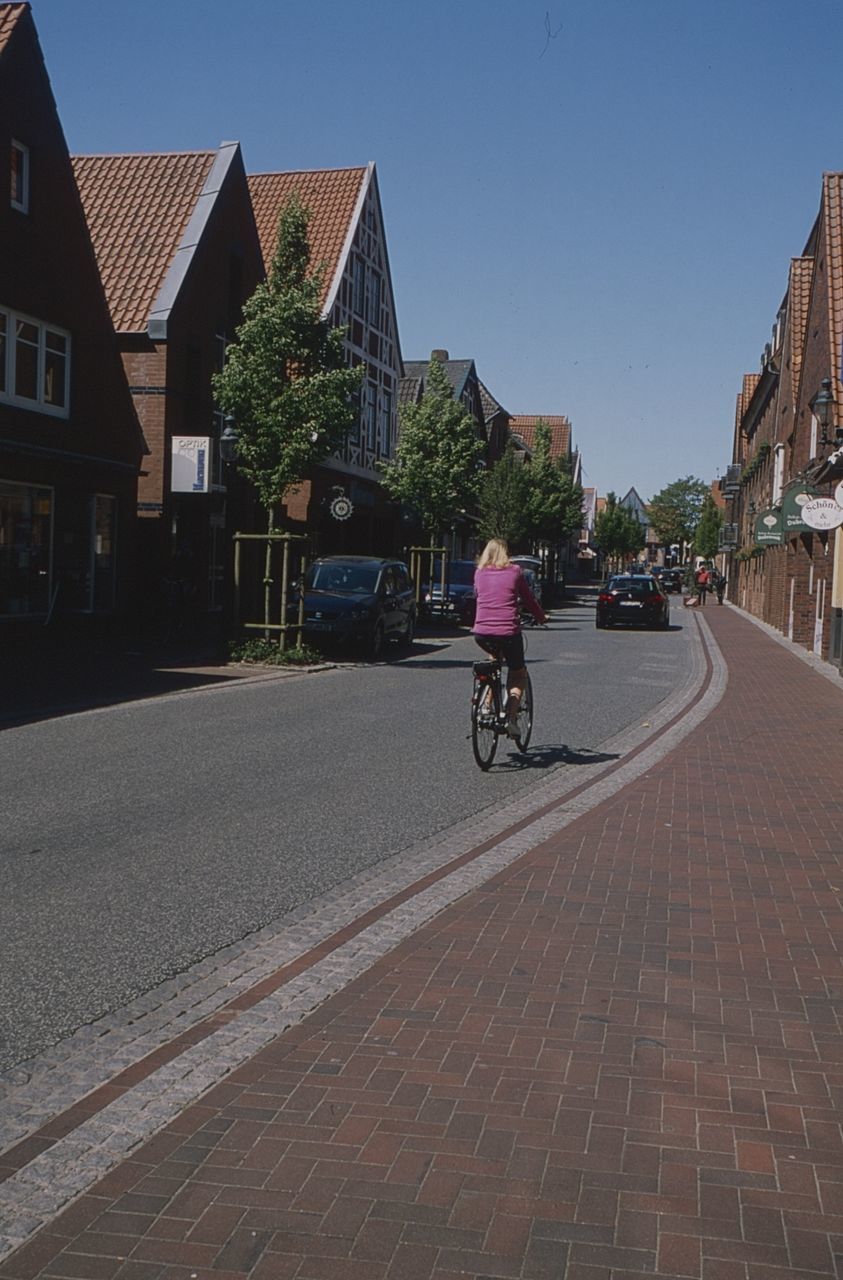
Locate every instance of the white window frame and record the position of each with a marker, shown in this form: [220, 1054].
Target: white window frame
[23, 151]
[38, 404]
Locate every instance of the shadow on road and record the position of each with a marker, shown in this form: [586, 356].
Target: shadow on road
[547, 756]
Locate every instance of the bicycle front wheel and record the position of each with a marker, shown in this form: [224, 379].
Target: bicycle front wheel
[485, 711]
[525, 717]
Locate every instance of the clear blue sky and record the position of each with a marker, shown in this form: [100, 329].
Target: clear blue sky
[597, 200]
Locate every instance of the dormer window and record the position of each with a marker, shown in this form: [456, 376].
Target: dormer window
[20, 177]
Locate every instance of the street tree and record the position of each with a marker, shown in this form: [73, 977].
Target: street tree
[707, 536]
[285, 379]
[436, 469]
[675, 511]
[555, 499]
[504, 493]
[617, 532]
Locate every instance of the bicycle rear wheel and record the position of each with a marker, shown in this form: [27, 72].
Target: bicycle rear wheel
[525, 717]
[485, 712]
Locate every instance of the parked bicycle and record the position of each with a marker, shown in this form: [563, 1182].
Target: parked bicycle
[488, 717]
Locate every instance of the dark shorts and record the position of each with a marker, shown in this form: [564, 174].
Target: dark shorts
[510, 648]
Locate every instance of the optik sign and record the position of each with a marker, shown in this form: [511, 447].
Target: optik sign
[191, 466]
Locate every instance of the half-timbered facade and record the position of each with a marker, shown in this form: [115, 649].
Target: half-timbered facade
[348, 242]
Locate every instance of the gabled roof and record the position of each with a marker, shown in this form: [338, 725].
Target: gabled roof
[139, 208]
[833, 233]
[458, 372]
[799, 295]
[524, 425]
[333, 198]
[491, 407]
[9, 15]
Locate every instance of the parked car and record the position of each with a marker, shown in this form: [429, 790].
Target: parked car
[358, 601]
[532, 565]
[459, 589]
[633, 598]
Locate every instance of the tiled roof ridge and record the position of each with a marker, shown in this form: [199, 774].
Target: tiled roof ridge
[342, 168]
[141, 155]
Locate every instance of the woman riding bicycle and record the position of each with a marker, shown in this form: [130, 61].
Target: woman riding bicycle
[501, 592]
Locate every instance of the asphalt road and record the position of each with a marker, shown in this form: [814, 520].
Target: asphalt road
[138, 839]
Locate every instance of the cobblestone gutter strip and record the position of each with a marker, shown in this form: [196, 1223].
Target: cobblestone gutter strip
[47, 1183]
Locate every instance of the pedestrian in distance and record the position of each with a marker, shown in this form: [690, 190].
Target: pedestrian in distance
[702, 578]
[720, 587]
[502, 591]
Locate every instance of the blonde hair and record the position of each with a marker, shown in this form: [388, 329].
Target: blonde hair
[495, 555]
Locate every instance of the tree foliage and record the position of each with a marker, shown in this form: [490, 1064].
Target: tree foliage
[285, 379]
[675, 510]
[554, 501]
[617, 531]
[504, 494]
[707, 536]
[436, 468]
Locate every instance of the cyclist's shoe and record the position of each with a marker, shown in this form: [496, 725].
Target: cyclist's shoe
[513, 729]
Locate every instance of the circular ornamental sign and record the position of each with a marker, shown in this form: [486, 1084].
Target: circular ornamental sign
[341, 507]
[822, 513]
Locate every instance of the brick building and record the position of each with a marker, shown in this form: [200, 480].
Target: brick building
[782, 570]
[347, 238]
[178, 251]
[70, 445]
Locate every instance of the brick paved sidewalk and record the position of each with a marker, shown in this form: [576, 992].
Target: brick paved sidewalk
[619, 1058]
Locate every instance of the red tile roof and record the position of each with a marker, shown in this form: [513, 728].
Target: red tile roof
[799, 293]
[329, 195]
[9, 14]
[833, 232]
[137, 208]
[524, 425]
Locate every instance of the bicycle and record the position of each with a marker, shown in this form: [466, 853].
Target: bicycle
[488, 717]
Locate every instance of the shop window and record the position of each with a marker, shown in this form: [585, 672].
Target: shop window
[20, 177]
[26, 515]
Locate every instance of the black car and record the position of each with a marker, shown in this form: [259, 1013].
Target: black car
[358, 601]
[633, 598]
[670, 579]
[459, 589]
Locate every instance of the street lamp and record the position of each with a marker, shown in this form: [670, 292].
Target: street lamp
[822, 406]
[229, 440]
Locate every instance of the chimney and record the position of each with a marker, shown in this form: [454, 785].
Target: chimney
[440, 354]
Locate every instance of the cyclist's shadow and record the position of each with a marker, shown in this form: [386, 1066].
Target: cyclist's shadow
[547, 756]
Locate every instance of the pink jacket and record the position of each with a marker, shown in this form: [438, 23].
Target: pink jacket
[500, 596]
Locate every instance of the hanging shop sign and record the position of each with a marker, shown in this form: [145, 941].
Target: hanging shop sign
[822, 513]
[838, 494]
[191, 466]
[341, 507]
[768, 529]
[792, 503]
